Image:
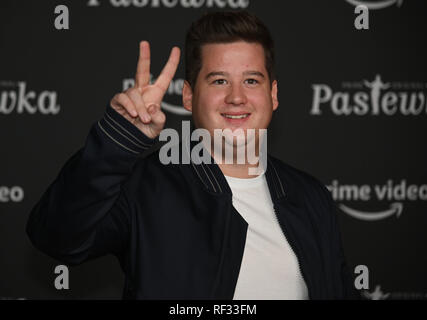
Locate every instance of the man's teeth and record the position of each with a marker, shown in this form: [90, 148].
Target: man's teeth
[241, 116]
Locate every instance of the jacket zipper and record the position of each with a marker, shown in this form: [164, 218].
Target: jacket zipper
[292, 245]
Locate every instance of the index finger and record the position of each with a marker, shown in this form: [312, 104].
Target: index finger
[142, 77]
[169, 70]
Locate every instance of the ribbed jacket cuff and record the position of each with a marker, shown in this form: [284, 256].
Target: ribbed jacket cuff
[124, 133]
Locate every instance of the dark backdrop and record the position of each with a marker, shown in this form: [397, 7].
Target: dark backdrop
[331, 76]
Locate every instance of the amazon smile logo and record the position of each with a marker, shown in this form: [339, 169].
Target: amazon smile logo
[395, 209]
[173, 96]
[375, 5]
[394, 193]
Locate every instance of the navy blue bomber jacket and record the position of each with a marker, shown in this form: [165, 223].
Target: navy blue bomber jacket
[173, 227]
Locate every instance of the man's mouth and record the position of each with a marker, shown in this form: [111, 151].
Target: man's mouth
[235, 116]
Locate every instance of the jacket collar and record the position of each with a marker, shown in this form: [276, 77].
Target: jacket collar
[214, 181]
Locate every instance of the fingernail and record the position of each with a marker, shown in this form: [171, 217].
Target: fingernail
[147, 118]
[150, 109]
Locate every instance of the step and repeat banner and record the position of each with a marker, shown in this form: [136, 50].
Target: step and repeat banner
[352, 112]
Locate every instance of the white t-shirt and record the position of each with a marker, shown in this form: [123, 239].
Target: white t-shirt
[269, 268]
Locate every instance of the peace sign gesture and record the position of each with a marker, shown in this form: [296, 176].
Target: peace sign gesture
[141, 104]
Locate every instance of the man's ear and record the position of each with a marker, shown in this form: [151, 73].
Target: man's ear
[274, 95]
[187, 96]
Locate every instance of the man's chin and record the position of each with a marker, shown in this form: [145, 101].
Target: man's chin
[239, 139]
[235, 136]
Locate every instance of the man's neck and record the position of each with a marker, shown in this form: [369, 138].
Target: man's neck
[237, 170]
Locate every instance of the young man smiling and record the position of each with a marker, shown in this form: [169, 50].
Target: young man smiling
[196, 231]
[233, 90]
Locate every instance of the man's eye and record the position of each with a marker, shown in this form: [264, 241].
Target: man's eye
[219, 81]
[251, 81]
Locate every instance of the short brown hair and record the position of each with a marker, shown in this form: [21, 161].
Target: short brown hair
[225, 27]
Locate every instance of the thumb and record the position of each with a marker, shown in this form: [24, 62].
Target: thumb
[158, 118]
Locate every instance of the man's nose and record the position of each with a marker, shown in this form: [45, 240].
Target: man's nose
[236, 95]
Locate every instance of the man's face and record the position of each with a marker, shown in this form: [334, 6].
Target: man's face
[232, 89]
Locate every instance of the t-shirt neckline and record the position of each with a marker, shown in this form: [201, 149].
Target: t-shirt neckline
[245, 182]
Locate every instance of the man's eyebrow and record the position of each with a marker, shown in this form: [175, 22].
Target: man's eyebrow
[254, 73]
[246, 73]
[216, 73]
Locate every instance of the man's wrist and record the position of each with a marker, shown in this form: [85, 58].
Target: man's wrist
[124, 133]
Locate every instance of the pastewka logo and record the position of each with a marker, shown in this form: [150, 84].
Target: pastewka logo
[169, 4]
[377, 294]
[370, 98]
[18, 97]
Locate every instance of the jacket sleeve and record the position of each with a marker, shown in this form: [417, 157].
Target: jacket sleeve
[346, 279]
[84, 213]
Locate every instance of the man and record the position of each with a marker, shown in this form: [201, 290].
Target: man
[198, 230]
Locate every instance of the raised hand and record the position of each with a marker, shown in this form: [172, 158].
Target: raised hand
[141, 104]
